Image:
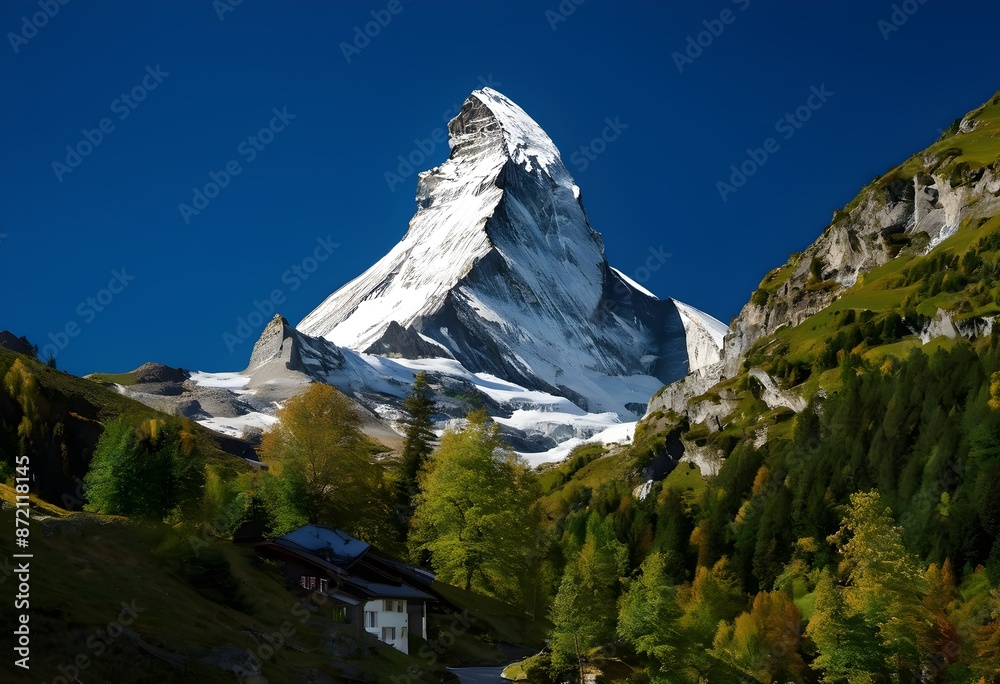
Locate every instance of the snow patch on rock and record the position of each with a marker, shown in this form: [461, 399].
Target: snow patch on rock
[704, 336]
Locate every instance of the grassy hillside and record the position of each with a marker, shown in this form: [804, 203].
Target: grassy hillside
[881, 315]
[115, 378]
[73, 410]
[187, 604]
[193, 598]
[958, 278]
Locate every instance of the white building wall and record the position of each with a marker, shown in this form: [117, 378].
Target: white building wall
[393, 618]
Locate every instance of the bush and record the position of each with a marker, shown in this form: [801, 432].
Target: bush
[816, 269]
[206, 570]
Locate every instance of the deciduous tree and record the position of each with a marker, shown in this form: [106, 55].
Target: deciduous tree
[324, 464]
[477, 514]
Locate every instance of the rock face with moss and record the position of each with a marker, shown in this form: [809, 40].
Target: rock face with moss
[909, 210]
[889, 216]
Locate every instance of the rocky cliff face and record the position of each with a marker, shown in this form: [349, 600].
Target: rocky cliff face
[283, 360]
[921, 211]
[915, 206]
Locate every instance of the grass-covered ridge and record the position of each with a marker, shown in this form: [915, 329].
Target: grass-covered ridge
[957, 277]
[113, 378]
[957, 155]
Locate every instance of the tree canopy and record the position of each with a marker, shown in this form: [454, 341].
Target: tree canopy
[477, 515]
[149, 471]
[324, 466]
[418, 437]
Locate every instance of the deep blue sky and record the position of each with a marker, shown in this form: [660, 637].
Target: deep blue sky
[324, 174]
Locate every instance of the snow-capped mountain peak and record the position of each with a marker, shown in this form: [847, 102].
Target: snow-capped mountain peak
[501, 270]
[523, 139]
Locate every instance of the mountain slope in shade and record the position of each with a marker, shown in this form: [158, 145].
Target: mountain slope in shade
[501, 271]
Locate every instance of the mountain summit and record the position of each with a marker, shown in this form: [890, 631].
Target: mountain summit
[501, 271]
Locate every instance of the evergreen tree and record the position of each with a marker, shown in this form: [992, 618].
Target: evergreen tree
[418, 438]
[848, 646]
[150, 472]
[649, 612]
[881, 610]
[584, 609]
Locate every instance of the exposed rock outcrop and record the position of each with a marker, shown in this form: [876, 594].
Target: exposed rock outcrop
[915, 207]
[157, 372]
[406, 343]
[21, 345]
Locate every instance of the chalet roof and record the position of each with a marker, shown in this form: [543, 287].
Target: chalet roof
[360, 570]
[378, 590]
[318, 538]
[345, 597]
[407, 571]
[280, 548]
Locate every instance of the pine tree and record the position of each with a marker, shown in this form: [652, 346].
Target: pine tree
[584, 609]
[878, 622]
[647, 620]
[150, 472]
[418, 440]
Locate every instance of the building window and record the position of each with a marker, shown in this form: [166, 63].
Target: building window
[402, 634]
[307, 582]
[341, 614]
[388, 634]
[371, 619]
[324, 584]
[388, 606]
[400, 606]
